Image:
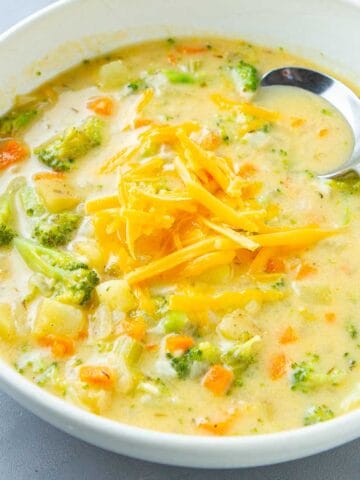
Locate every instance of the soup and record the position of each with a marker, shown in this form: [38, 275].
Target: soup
[169, 258]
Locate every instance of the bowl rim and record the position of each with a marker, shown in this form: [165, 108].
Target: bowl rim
[307, 440]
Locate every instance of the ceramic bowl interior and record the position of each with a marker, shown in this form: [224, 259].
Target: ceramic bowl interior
[326, 31]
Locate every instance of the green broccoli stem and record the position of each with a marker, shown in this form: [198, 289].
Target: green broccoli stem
[7, 232]
[31, 202]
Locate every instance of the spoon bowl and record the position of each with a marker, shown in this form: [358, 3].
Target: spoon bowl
[336, 93]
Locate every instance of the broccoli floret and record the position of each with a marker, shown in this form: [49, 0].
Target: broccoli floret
[182, 364]
[317, 414]
[62, 151]
[241, 355]
[53, 230]
[16, 120]
[7, 233]
[73, 281]
[245, 76]
[305, 378]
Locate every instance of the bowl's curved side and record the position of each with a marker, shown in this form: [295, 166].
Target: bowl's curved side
[280, 22]
[174, 449]
[60, 35]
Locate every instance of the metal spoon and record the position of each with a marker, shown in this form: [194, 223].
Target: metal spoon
[336, 93]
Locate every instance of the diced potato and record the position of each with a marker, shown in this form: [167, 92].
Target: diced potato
[56, 194]
[101, 324]
[95, 400]
[58, 318]
[7, 326]
[116, 294]
[237, 325]
[113, 74]
[92, 253]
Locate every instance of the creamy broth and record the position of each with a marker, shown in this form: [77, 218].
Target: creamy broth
[212, 284]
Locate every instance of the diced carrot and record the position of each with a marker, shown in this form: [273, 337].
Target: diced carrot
[49, 176]
[323, 132]
[102, 106]
[277, 368]
[304, 271]
[247, 170]
[12, 151]
[189, 50]
[275, 265]
[98, 376]
[288, 336]
[135, 328]
[171, 58]
[218, 379]
[210, 141]
[330, 317]
[61, 346]
[297, 122]
[176, 343]
[216, 428]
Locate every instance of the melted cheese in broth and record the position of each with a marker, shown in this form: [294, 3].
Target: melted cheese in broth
[212, 284]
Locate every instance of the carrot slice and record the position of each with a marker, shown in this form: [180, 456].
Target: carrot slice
[288, 336]
[102, 106]
[98, 376]
[176, 343]
[12, 151]
[304, 271]
[218, 379]
[61, 346]
[277, 367]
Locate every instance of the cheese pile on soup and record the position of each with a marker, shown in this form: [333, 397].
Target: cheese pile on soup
[169, 258]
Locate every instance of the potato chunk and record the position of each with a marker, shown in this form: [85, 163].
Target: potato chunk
[56, 193]
[117, 295]
[7, 326]
[58, 318]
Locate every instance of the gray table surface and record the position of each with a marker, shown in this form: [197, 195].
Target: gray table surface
[32, 449]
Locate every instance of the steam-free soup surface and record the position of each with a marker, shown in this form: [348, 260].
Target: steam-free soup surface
[169, 258]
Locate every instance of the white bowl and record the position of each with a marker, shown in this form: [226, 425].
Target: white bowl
[326, 31]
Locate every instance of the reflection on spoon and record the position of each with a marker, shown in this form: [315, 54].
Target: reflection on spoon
[336, 93]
